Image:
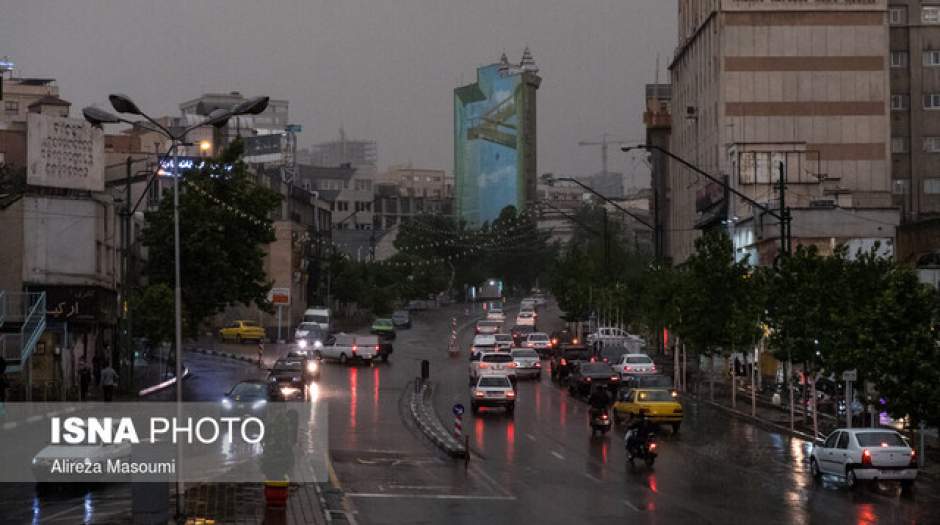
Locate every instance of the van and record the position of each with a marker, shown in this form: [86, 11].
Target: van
[321, 316]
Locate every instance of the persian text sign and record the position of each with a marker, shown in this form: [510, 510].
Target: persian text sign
[64, 153]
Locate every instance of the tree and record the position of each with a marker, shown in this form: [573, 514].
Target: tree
[153, 313]
[224, 225]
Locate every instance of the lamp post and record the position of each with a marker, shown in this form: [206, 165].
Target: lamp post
[218, 118]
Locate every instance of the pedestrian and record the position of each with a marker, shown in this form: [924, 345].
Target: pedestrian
[109, 379]
[84, 379]
[260, 354]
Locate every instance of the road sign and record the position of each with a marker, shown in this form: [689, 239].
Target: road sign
[458, 409]
[850, 375]
[279, 296]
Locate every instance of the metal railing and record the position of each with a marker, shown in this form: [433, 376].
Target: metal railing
[28, 309]
[34, 323]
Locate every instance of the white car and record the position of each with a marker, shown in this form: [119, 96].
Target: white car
[348, 347]
[493, 391]
[526, 319]
[503, 342]
[496, 363]
[527, 304]
[489, 326]
[607, 335]
[539, 342]
[857, 454]
[483, 343]
[496, 315]
[635, 364]
[528, 363]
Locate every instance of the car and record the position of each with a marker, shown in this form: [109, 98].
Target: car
[606, 335]
[321, 316]
[658, 405]
[539, 298]
[493, 391]
[612, 352]
[496, 315]
[401, 319]
[862, 454]
[519, 333]
[309, 335]
[648, 381]
[504, 342]
[526, 318]
[416, 305]
[499, 363]
[564, 359]
[586, 375]
[347, 348]
[286, 380]
[539, 342]
[488, 326]
[564, 337]
[635, 364]
[483, 343]
[385, 350]
[528, 363]
[246, 398]
[240, 331]
[383, 327]
[311, 366]
[527, 304]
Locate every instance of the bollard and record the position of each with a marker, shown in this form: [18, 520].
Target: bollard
[458, 426]
[425, 369]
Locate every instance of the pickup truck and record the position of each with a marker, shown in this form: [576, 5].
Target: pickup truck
[350, 347]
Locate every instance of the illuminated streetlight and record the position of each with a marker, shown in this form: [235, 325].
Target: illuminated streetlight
[205, 146]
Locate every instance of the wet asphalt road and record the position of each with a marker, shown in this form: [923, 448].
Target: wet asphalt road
[543, 466]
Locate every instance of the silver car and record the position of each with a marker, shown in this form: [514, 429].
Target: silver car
[528, 363]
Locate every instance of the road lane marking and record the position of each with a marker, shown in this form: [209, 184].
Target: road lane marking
[33, 419]
[493, 483]
[430, 496]
[530, 436]
[631, 505]
[592, 477]
[557, 455]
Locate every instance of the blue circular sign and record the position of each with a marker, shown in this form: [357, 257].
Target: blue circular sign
[458, 409]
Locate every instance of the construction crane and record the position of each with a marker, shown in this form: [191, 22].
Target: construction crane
[604, 143]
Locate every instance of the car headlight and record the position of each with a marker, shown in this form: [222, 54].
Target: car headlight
[289, 391]
[302, 343]
[227, 403]
[312, 367]
[259, 404]
[318, 344]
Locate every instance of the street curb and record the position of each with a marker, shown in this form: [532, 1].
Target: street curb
[761, 422]
[429, 423]
[161, 386]
[226, 355]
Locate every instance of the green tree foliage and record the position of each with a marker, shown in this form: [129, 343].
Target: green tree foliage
[221, 245]
[153, 313]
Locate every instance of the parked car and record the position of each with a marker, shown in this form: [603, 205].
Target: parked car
[493, 391]
[401, 318]
[499, 363]
[539, 342]
[586, 375]
[309, 335]
[862, 454]
[526, 318]
[346, 348]
[519, 334]
[240, 331]
[383, 328]
[286, 380]
[320, 315]
[489, 327]
[564, 359]
[635, 364]
[658, 405]
[504, 342]
[527, 362]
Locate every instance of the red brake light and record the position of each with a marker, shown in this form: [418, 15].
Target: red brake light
[574, 341]
[554, 342]
[614, 378]
[354, 348]
[866, 457]
[484, 365]
[479, 393]
[603, 416]
[913, 458]
[510, 394]
[629, 368]
[563, 362]
[652, 446]
[376, 348]
[538, 364]
[588, 379]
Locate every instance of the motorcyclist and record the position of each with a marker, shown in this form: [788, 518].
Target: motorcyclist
[638, 431]
[599, 400]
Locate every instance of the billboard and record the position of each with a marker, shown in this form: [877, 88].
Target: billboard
[64, 153]
[494, 143]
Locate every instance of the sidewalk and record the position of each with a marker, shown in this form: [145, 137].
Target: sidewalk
[244, 504]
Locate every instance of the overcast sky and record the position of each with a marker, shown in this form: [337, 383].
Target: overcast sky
[383, 69]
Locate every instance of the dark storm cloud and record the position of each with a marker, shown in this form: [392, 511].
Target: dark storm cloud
[384, 69]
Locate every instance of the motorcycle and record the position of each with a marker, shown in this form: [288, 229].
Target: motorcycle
[600, 422]
[645, 451]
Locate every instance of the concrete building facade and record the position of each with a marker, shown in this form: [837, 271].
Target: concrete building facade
[757, 84]
[658, 121]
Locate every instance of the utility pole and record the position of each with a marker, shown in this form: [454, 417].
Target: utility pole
[606, 243]
[125, 273]
[785, 218]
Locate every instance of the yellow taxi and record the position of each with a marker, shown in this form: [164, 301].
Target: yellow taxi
[660, 406]
[238, 331]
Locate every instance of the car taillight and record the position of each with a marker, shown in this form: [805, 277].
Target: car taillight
[604, 416]
[563, 362]
[376, 348]
[653, 368]
[484, 365]
[866, 457]
[574, 341]
[588, 379]
[354, 349]
[538, 364]
[652, 446]
[530, 345]
[628, 368]
[479, 393]
[513, 365]
[510, 394]
[913, 458]
[614, 378]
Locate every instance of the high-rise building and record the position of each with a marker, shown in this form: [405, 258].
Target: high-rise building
[356, 153]
[915, 133]
[658, 121]
[802, 85]
[495, 140]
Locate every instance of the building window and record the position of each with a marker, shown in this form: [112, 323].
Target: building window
[932, 58]
[932, 186]
[930, 14]
[899, 59]
[897, 15]
[901, 186]
[11, 106]
[342, 206]
[900, 102]
[932, 144]
[899, 144]
[932, 101]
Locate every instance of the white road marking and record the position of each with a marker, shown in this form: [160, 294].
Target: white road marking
[8, 426]
[33, 419]
[557, 455]
[430, 496]
[493, 483]
[592, 477]
[631, 505]
[530, 436]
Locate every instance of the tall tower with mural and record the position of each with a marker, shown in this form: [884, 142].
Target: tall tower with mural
[495, 139]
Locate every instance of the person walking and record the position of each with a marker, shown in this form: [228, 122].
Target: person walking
[109, 380]
[84, 379]
[260, 354]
